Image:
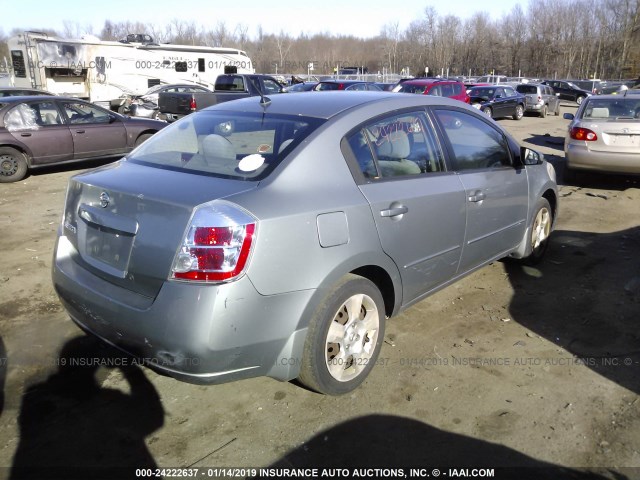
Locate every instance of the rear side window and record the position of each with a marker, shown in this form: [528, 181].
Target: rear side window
[525, 89]
[232, 83]
[400, 145]
[474, 143]
[244, 146]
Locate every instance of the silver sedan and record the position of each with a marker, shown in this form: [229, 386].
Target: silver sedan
[604, 136]
[276, 236]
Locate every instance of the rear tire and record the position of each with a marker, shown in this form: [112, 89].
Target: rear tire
[13, 165]
[488, 111]
[143, 138]
[579, 100]
[344, 337]
[543, 112]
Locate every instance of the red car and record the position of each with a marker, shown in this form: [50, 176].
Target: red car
[434, 86]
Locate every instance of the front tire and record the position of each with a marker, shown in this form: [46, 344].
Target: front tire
[13, 165]
[519, 112]
[344, 337]
[538, 239]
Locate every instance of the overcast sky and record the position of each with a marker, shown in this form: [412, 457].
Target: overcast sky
[362, 18]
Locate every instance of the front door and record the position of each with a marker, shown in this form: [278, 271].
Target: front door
[95, 132]
[496, 191]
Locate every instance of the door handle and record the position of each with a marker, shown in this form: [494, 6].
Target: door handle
[477, 196]
[79, 131]
[394, 212]
[26, 134]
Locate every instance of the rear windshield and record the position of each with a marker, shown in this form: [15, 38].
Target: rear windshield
[527, 89]
[243, 146]
[621, 108]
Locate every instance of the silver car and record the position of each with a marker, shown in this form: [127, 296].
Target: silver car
[276, 236]
[604, 136]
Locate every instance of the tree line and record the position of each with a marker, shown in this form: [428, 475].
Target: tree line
[547, 39]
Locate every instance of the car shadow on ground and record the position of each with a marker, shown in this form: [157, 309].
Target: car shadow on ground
[546, 140]
[73, 428]
[591, 312]
[604, 181]
[392, 442]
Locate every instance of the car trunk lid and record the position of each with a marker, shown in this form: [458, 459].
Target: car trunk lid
[126, 221]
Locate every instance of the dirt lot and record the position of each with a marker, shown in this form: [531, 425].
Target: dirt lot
[512, 366]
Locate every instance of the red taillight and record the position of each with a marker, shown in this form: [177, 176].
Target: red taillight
[579, 133]
[192, 104]
[211, 253]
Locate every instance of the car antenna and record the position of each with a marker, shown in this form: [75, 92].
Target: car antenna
[264, 100]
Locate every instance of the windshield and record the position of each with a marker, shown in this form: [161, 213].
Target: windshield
[244, 146]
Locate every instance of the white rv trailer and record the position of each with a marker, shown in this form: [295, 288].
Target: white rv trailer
[102, 72]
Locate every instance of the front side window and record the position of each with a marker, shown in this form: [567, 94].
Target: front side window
[474, 143]
[396, 146]
[79, 113]
[243, 146]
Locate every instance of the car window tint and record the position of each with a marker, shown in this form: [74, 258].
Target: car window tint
[397, 146]
[475, 144]
[79, 113]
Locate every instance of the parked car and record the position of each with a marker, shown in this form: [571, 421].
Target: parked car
[498, 101]
[250, 240]
[604, 136]
[540, 99]
[593, 86]
[38, 131]
[301, 87]
[434, 86]
[20, 92]
[147, 105]
[568, 90]
[351, 85]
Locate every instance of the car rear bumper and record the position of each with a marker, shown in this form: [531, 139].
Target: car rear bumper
[197, 333]
[579, 157]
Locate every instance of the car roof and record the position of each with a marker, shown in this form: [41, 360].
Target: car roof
[345, 81]
[429, 81]
[29, 98]
[330, 103]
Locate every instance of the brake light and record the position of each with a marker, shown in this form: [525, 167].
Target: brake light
[192, 104]
[217, 244]
[579, 133]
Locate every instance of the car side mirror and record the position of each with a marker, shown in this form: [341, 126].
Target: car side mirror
[568, 116]
[112, 118]
[530, 157]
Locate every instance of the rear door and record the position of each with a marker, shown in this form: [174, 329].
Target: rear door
[39, 126]
[95, 132]
[418, 207]
[496, 191]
